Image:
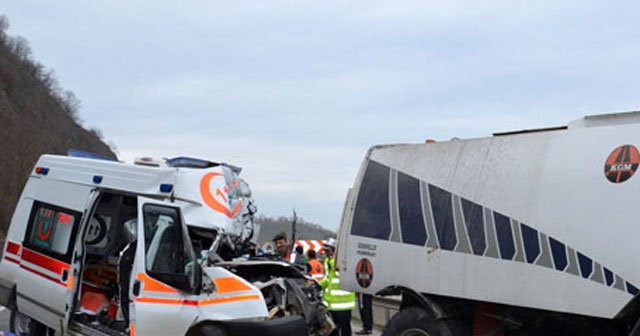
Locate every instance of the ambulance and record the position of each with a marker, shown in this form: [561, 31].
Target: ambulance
[530, 232]
[100, 247]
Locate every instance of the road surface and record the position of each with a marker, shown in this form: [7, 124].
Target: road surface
[355, 326]
[4, 319]
[4, 322]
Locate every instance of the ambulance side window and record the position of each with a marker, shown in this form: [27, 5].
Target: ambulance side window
[52, 230]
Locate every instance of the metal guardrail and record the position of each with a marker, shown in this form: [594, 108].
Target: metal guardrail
[383, 310]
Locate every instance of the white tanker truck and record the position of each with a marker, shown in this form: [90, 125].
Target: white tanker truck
[532, 232]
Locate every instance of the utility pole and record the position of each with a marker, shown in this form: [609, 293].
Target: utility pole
[293, 229]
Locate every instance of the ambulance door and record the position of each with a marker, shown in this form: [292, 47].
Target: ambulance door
[45, 280]
[166, 277]
[74, 281]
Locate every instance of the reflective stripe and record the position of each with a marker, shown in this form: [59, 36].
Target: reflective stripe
[177, 302]
[153, 285]
[334, 297]
[338, 292]
[230, 285]
[11, 260]
[40, 274]
[13, 248]
[70, 282]
[346, 305]
[247, 297]
[185, 302]
[50, 264]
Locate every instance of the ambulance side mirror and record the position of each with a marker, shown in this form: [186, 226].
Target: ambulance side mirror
[197, 274]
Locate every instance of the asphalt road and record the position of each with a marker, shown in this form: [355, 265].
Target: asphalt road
[4, 319]
[355, 326]
[4, 323]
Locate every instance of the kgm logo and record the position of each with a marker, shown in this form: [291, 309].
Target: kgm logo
[622, 163]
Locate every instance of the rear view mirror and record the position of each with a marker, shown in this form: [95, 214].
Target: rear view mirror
[197, 279]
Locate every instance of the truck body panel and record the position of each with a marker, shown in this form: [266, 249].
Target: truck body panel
[530, 219]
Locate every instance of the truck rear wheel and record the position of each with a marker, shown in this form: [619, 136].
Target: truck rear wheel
[415, 321]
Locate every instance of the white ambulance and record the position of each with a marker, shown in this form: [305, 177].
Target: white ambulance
[103, 248]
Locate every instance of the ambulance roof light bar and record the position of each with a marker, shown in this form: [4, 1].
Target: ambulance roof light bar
[88, 155]
[147, 161]
[188, 162]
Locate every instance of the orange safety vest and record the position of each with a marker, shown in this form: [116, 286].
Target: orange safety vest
[317, 269]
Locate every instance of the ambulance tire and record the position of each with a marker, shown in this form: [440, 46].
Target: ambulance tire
[35, 328]
[208, 330]
[416, 321]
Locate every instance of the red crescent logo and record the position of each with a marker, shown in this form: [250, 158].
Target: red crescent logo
[211, 201]
[44, 235]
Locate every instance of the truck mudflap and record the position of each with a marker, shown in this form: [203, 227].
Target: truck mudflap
[289, 325]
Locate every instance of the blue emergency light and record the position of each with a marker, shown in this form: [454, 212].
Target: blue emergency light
[166, 188]
[97, 179]
[42, 170]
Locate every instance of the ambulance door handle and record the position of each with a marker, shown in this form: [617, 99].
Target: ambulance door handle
[65, 275]
[136, 288]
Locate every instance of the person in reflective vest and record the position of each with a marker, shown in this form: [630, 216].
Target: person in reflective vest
[339, 302]
[314, 266]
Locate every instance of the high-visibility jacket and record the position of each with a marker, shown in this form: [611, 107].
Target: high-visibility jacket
[332, 295]
[316, 269]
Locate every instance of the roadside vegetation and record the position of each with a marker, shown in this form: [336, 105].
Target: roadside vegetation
[37, 116]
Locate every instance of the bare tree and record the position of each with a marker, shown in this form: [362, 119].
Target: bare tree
[20, 47]
[97, 132]
[50, 81]
[4, 26]
[37, 116]
[70, 104]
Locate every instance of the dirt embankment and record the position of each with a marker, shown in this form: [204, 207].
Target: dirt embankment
[36, 117]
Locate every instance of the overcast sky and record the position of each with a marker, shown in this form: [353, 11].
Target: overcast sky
[296, 91]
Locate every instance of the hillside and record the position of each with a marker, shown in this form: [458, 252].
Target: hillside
[36, 116]
[269, 227]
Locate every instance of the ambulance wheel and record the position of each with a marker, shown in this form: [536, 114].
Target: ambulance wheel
[415, 321]
[208, 330]
[23, 325]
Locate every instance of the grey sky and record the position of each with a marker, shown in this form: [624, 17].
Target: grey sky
[296, 91]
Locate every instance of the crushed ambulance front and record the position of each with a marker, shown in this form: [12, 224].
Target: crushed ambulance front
[217, 204]
[217, 201]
